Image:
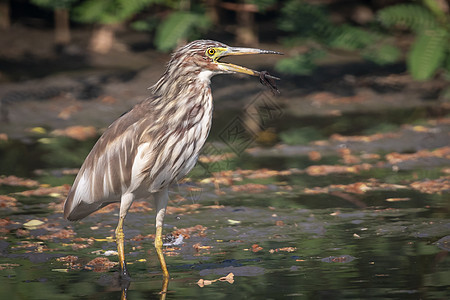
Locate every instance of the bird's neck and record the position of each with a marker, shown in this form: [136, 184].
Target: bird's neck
[183, 85]
[183, 96]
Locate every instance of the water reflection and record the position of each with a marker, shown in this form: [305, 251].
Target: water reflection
[125, 285]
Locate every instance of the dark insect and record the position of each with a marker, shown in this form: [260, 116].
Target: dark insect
[268, 80]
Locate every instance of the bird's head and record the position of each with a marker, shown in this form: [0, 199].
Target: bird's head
[198, 61]
[204, 58]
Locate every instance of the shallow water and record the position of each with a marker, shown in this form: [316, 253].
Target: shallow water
[278, 239]
[385, 251]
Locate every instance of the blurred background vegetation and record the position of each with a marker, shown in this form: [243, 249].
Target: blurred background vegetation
[380, 31]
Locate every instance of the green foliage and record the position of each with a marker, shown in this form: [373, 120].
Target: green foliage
[382, 55]
[54, 4]
[347, 37]
[411, 16]
[431, 48]
[149, 24]
[301, 64]
[109, 11]
[305, 20]
[428, 53]
[311, 24]
[263, 4]
[179, 25]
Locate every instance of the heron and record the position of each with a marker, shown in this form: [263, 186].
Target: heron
[156, 143]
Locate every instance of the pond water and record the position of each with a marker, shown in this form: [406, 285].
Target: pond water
[289, 233]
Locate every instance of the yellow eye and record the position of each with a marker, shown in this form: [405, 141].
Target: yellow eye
[211, 51]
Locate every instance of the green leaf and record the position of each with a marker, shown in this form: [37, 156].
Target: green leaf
[177, 26]
[109, 11]
[263, 4]
[428, 53]
[435, 7]
[302, 64]
[413, 16]
[350, 38]
[148, 24]
[305, 20]
[385, 54]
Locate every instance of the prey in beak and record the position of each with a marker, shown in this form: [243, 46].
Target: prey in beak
[217, 53]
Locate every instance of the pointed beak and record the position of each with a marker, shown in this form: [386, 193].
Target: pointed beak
[228, 67]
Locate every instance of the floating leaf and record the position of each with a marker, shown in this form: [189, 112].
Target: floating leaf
[233, 222]
[229, 278]
[338, 259]
[33, 224]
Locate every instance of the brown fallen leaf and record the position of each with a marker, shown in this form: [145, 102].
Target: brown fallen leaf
[3, 223]
[70, 261]
[321, 170]
[67, 112]
[279, 223]
[186, 232]
[284, 249]
[141, 206]
[60, 191]
[229, 177]
[256, 248]
[100, 264]
[80, 133]
[314, 155]
[17, 181]
[363, 138]
[199, 247]
[370, 156]
[250, 188]
[171, 251]
[354, 188]
[435, 186]
[347, 156]
[108, 99]
[215, 158]
[8, 266]
[60, 234]
[394, 157]
[8, 202]
[229, 278]
[183, 208]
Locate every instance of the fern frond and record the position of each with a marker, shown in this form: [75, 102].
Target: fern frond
[301, 64]
[428, 53]
[382, 55]
[412, 16]
[177, 26]
[351, 38]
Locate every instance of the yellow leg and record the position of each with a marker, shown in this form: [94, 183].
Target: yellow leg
[120, 249]
[162, 261]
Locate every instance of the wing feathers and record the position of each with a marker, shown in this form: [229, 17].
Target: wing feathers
[142, 151]
[106, 172]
